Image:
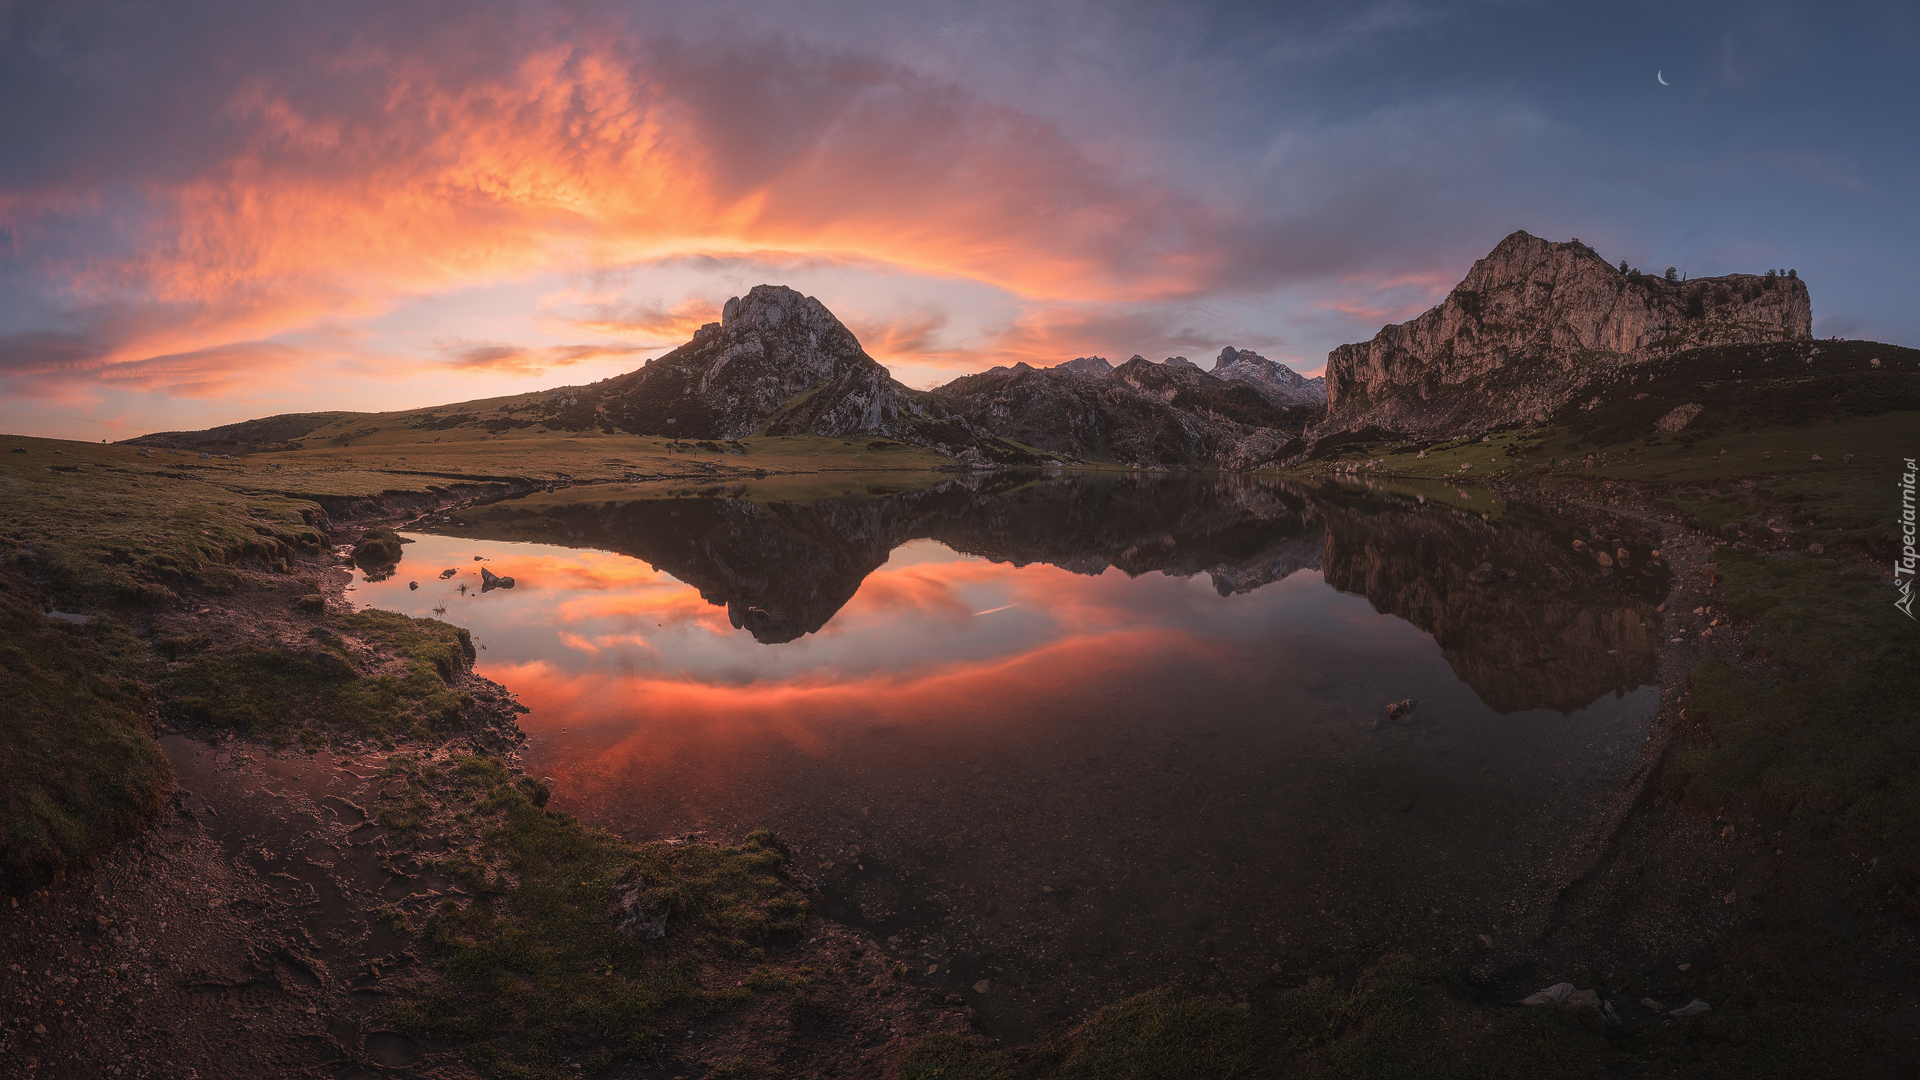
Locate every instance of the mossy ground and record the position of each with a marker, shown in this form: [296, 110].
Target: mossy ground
[316, 694]
[534, 970]
[79, 769]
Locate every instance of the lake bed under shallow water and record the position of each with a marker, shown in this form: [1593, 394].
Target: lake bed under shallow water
[1058, 740]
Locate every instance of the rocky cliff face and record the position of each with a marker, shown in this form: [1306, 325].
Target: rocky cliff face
[769, 347]
[1145, 414]
[1274, 381]
[1531, 325]
[1092, 366]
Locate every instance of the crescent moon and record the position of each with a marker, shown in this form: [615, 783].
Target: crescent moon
[1657, 75]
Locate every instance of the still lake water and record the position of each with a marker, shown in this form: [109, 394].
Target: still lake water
[1074, 737]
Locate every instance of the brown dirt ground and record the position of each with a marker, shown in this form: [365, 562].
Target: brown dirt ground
[237, 937]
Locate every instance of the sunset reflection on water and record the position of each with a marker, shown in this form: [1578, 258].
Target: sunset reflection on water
[1200, 759]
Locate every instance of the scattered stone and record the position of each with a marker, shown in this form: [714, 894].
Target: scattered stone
[490, 581]
[413, 586]
[1679, 418]
[19, 449]
[1579, 545]
[1816, 549]
[1816, 457]
[1652, 1004]
[329, 662]
[1482, 575]
[445, 574]
[1603, 558]
[1582, 999]
[1555, 995]
[637, 919]
[982, 986]
[1398, 709]
[1691, 1008]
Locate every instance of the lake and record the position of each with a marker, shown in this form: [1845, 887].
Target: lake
[1058, 739]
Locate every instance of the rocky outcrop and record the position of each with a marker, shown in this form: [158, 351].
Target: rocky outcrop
[776, 359]
[1272, 380]
[1144, 414]
[1533, 324]
[1087, 419]
[1092, 366]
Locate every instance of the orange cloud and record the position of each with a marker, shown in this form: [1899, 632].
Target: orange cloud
[520, 360]
[586, 145]
[669, 326]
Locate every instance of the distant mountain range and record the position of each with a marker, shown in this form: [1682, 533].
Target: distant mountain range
[1532, 327]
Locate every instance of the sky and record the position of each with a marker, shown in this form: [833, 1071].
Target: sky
[213, 211]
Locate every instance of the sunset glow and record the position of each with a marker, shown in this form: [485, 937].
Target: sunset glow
[351, 206]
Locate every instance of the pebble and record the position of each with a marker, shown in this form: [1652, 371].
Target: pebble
[982, 986]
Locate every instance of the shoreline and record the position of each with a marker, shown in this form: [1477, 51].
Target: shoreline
[140, 884]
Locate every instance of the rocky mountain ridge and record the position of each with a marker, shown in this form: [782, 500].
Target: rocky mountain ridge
[1534, 323]
[1274, 381]
[1143, 414]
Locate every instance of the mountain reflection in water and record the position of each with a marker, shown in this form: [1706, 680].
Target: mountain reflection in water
[1021, 766]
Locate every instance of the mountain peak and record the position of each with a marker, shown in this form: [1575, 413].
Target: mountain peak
[1549, 316]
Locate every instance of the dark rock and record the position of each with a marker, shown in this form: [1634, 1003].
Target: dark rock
[377, 547]
[329, 662]
[640, 917]
[1398, 709]
[490, 581]
[1483, 574]
[413, 586]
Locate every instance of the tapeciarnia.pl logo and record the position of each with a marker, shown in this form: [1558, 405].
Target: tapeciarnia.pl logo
[1903, 566]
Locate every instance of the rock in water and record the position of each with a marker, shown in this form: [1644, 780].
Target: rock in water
[1399, 709]
[490, 581]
